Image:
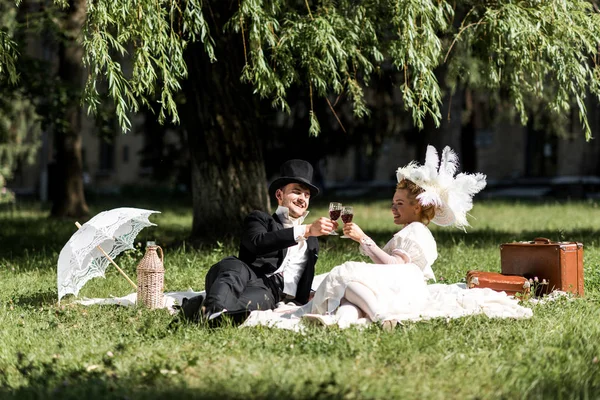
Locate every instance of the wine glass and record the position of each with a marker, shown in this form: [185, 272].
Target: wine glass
[335, 209]
[347, 215]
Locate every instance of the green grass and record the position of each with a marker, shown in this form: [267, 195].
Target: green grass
[71, 351]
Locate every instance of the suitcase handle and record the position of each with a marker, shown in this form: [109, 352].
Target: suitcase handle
[542, 240]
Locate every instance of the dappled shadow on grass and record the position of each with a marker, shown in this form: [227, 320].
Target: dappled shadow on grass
[553, 387]
[37, 299]
[19, 236]
[48, 380]
[29, 227]
[96, 388]
[23, 237]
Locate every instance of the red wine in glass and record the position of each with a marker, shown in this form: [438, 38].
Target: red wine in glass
[335, 210]
[347, 215]
[335, 214]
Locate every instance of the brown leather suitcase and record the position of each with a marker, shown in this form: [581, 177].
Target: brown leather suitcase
[511, 284]
[560, 263]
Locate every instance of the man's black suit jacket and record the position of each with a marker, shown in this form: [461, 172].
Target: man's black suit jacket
[264, 245]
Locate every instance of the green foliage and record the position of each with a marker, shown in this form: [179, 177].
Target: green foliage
[19, 131]
[522, 50]
[531, 50]
[153, 34]
[19, 123]
[332, 49]
[6, 196]
[8, 56]
[105, 352]
[8, 48]
[417, 52]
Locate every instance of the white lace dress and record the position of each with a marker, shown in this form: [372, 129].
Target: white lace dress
[399, 288]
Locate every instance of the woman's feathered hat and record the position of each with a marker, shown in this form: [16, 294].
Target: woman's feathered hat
[451, 195]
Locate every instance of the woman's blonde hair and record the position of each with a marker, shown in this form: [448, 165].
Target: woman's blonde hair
[427, 212]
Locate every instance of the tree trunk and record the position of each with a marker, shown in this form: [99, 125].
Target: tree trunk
[69, 198]
[221, 120]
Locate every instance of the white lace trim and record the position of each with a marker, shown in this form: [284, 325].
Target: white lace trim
[80, 259]
[417, 241]
[365, 242]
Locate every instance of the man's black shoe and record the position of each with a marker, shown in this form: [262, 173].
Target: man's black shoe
[190, 310]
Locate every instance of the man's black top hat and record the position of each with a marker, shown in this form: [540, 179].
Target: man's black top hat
[294, 171]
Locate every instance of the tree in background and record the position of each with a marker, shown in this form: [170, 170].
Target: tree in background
[47, 93]
[69, 199]
[19, 128]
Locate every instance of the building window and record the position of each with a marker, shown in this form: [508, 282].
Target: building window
[107, 156]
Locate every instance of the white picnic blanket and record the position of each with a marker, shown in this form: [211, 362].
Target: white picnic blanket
[171, 299]
[445, 301]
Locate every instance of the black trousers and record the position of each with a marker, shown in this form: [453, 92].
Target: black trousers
[232, 285]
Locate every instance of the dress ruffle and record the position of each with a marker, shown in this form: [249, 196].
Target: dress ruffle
[418, 243]
[398, 287]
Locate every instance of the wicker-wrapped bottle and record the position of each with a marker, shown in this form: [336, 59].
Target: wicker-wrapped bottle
[151, 278]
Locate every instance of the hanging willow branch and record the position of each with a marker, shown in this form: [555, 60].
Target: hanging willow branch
[523, 50]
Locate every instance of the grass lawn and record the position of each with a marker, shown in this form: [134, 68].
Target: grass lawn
[75, 352]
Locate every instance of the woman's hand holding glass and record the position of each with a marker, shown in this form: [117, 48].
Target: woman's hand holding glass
[353, 231]
[347, 215]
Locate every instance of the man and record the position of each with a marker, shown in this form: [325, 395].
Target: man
[277, 254]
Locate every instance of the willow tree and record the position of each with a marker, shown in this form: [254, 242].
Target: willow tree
[229, 54]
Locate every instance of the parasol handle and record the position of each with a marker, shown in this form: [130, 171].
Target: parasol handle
[78, 225]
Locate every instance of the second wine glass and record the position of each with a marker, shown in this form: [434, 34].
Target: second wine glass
[347, 215]
[335, 209]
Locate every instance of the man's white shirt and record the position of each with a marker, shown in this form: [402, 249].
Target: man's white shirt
[296, 256]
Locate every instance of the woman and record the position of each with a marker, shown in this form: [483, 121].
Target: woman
[397, 279]
[396, 282]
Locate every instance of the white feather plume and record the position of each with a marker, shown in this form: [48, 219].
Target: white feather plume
[428, 198]
[451, 195]
[410, 170]
[448, 166]
[432, 161]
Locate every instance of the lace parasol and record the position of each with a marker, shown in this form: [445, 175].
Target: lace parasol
[97, 242]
